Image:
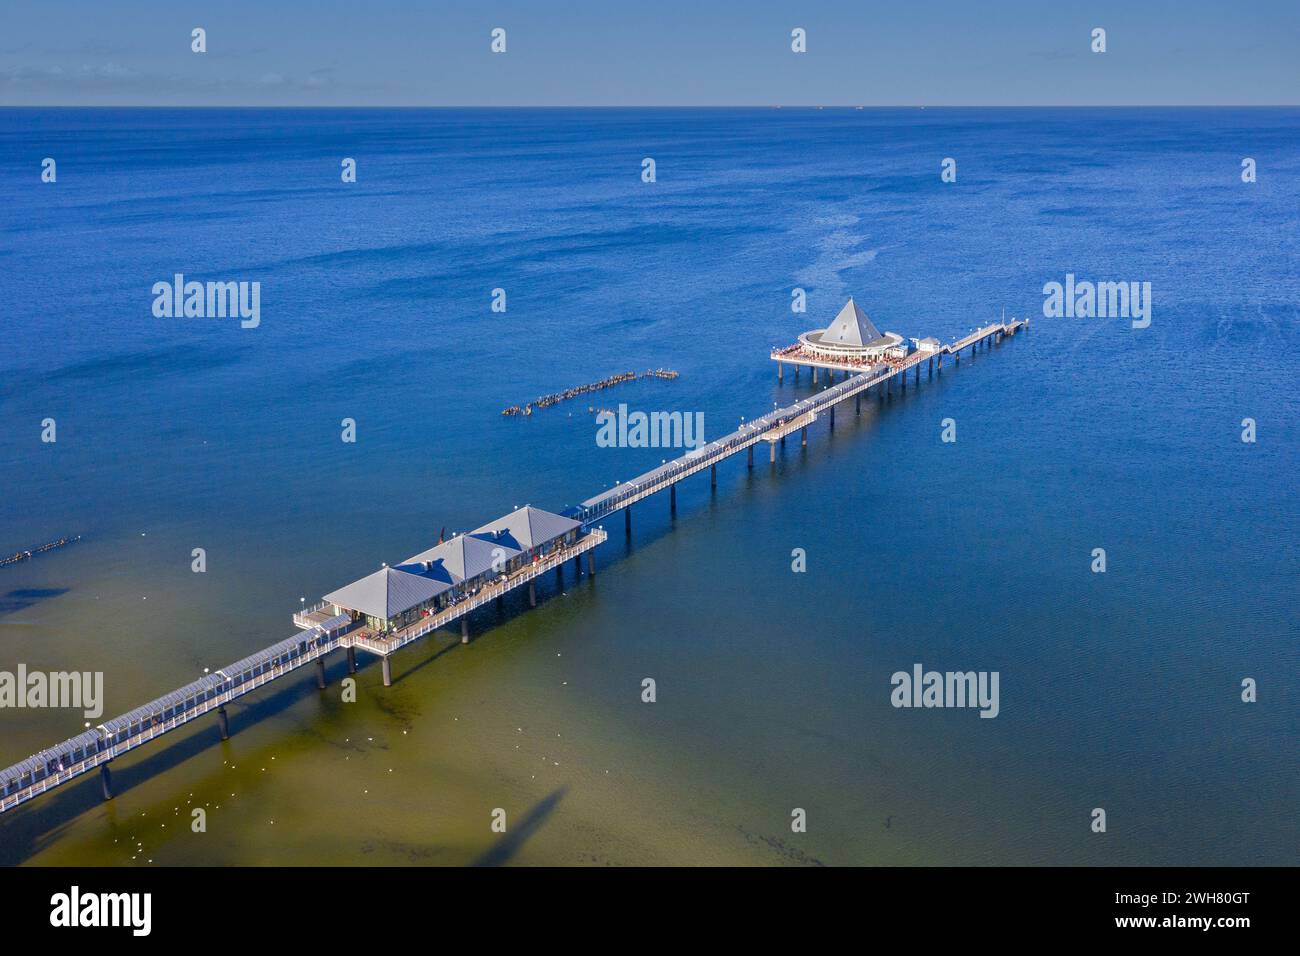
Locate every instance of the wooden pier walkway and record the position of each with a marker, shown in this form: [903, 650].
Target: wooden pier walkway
[774, 426]
[322, 633]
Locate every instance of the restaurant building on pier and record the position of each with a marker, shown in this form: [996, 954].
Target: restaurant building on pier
[395, 597]
[853, 335]
[851, 343]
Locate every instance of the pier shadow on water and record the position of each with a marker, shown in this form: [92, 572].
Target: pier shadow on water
[46, 819]
[20, 599]
[515, 837]
[402, 673]
[41, 822]
[482, 622]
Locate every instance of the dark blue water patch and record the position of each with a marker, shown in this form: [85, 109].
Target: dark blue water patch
[1069, 211]
[20, 599]
[168, 360]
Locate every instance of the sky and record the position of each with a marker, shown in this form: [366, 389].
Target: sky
[649, 53]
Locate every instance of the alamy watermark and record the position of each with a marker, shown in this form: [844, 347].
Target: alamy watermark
[127, 910]
[624, 429]
[56, 689]
[1102, 300]
[922, 688]
[212, 300]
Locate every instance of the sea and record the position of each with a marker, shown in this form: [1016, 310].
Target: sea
[770, 612]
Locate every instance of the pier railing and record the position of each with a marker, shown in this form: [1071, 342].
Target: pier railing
[629, 492]
[303, 618]
[656, 479]
[319, 642]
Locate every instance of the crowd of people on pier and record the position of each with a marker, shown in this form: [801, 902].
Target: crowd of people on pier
[798, 351]
[897, 363]
[546, 401]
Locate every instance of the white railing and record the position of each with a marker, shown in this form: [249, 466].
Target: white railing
[300, 618]
[328, 644]
[659, 478]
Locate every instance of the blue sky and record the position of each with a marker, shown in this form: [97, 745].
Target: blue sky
[654, 52]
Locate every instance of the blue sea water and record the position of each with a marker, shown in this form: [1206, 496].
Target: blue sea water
[1118, 690]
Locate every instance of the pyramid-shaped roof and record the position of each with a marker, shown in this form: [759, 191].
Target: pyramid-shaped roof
[851, 327]
[463, 557]
[526, 528]
[387, 593]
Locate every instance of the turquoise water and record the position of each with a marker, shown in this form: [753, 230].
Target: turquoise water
[1119, 690]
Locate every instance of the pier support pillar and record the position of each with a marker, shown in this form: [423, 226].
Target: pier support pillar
[352, 660]
[858, 401]
[917, 380]
[223, 722]
[559, 575]
[672, 498]
[780, 371]
[532, 594]
[814, 374]
[577, 567]
[940, 361]
[320, 673]
[796, 373]
[772, 447]
[803, 436]
[591, 564]
[388, 672]
[464, 629]
[501, 601]
[105, 781]
[627, 520]
[750, 449]
[713, 476]
[832, 418]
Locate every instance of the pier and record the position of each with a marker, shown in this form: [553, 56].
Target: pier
[442, 586]
[54, 545]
